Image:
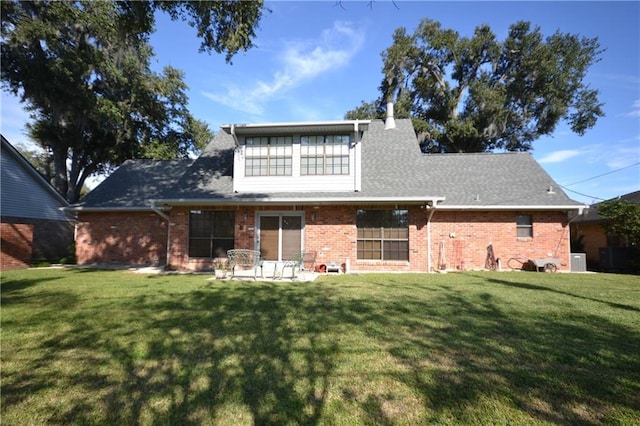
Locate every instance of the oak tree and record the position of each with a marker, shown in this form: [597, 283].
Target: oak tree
[475, 94]
[83, 69]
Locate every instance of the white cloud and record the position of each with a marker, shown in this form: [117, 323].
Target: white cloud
[302, 61]
[623, 156]
[560, 156]
[635, 112]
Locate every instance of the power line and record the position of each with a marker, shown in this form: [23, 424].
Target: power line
[603, 174]
[580, 193]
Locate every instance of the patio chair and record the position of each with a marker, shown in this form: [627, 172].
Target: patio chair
[244, 259]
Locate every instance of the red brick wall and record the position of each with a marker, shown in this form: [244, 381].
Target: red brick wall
[16, 244]
[466, 235]
[179, 236]
[333, 235]
[331, 232]
[137, 238]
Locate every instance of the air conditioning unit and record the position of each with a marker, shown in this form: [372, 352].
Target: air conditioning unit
[578, 262]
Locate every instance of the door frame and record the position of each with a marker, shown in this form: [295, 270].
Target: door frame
[279, 213]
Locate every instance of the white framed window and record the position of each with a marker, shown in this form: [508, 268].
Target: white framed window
[383, 234]
[324, 155]
[269, 156]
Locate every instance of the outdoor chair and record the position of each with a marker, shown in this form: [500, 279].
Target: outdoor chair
[305, 261]
[244, 259]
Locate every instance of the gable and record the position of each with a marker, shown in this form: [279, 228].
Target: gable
[297, 157]
[25, 193]
[387, 167]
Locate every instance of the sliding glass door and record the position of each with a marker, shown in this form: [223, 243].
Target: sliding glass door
[280, 235]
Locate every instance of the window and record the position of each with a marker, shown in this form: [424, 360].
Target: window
[210, 233]
[524, 226]
[269, 156]
[383, 234]
[324, 155]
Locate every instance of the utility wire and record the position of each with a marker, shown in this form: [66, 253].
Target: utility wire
[595, 177]
[580, 193]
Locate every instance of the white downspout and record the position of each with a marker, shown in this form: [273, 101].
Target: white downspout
[571, 219]
[168, 219]
[432, 210]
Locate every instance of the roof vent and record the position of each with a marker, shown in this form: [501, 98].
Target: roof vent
[550, 190]
[389, 123]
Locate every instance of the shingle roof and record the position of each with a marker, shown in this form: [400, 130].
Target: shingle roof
[134, 183]
[392, 167]
[592, 215]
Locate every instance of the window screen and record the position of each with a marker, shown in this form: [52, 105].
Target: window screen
[211, 233]
[383, 234]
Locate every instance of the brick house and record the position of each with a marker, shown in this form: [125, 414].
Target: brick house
[603, 252]
[357, 193]
[33, 226]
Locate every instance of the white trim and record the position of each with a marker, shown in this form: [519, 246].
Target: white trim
[279, 213]
[297, 201]
[236, 128]
[512, 207]
[152, 208]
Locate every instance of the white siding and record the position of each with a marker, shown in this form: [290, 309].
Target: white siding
[297, 182]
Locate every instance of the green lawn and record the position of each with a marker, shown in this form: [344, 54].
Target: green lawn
[114, 347]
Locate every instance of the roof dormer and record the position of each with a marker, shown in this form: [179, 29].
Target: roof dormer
[297, 157]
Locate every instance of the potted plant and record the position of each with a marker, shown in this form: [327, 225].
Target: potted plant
[221, 269]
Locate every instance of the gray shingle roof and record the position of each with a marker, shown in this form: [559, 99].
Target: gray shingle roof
[392, 166]
[592, 214]
[134, 183]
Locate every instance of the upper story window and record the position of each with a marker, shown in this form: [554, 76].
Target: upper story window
[324, 155]
[269, 156]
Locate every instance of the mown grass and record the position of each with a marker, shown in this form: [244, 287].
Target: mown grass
[113, 347]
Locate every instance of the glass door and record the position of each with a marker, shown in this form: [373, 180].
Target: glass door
[279, 235]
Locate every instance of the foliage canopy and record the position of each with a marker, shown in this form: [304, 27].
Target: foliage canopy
[622, 219]
[83, 69]
[474, 94]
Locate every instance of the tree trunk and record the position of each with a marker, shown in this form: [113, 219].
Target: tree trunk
[59, 180]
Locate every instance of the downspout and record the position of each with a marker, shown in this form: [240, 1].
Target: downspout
[168, 219]
[356, 140]
[432, 210]
[580, 213]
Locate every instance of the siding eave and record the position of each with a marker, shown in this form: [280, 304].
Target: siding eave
[571, 207]
[271, 201]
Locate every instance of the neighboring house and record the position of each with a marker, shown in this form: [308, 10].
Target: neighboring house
[34, 227]
[359, 194]
[603, 252]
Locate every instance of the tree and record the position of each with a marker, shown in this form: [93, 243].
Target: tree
[474, 94]
[621, 219]
[83, 70]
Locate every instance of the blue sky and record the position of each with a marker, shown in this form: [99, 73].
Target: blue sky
[317, 60]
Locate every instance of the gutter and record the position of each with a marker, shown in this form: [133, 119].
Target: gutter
[106, 209]
[578, 207]
[297, 200]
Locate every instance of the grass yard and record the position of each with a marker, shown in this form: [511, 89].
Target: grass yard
[114, 347]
